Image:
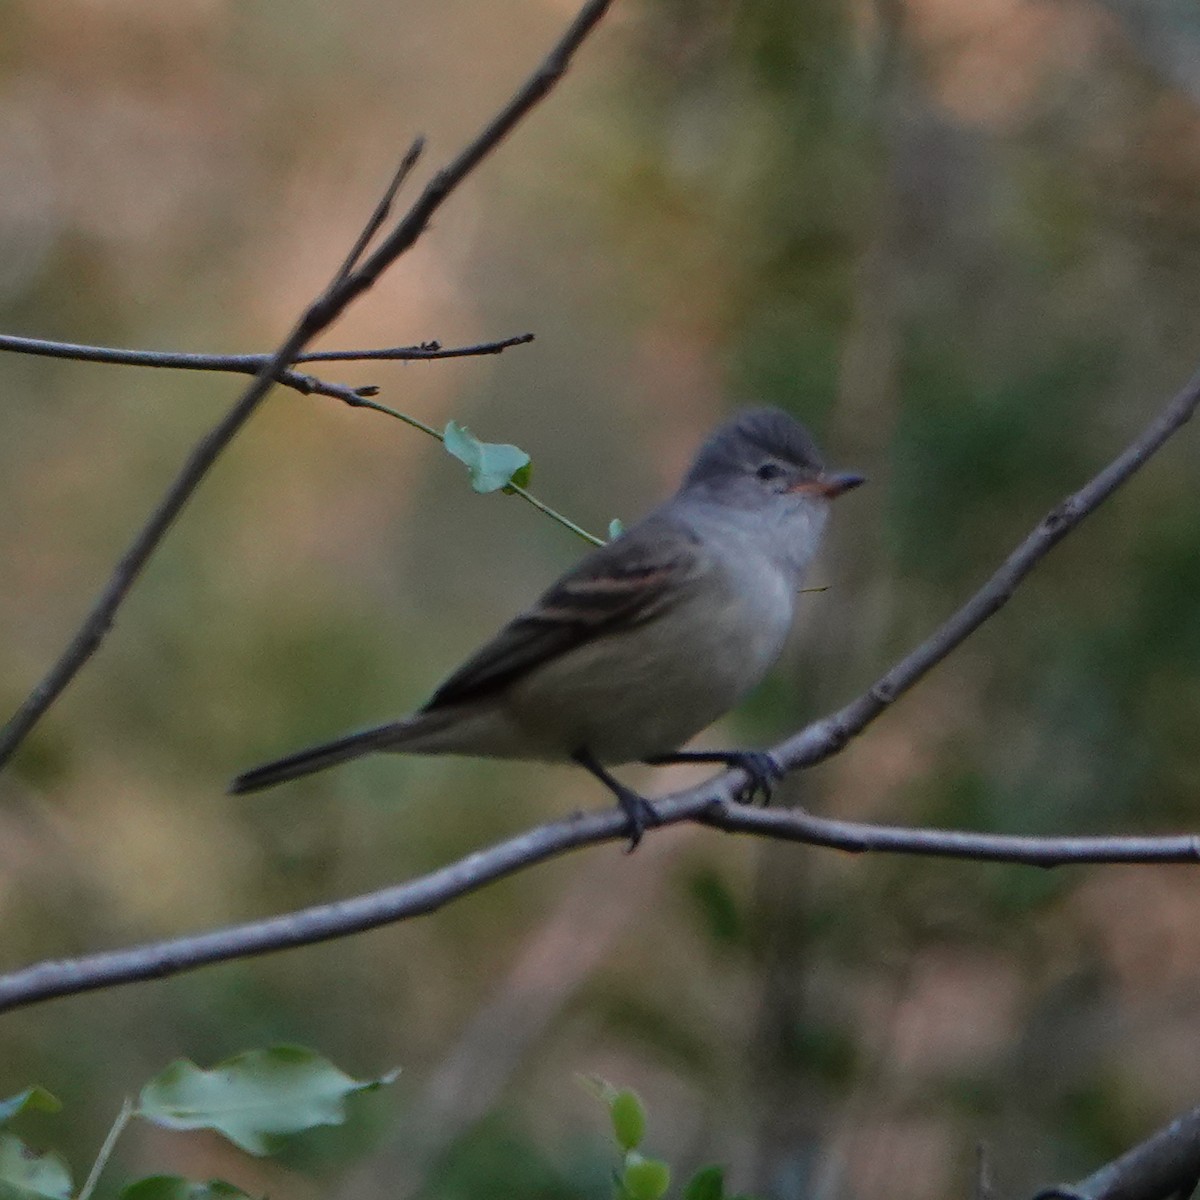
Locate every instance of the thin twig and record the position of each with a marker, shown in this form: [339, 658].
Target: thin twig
[110, 1142]
[247, 364]
[517, 490]
[711, 802]
[554, 514]
[308, 385]
[535, 88]
[796, 825]
[326, 308]
[424, 352]
[382, 210]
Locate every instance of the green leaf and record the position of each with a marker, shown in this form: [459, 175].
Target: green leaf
[628, 1119]
[31, 1098]
[27, 1175]
[175, 1187]
[253, 1097]
[645, 1178]
[492, 465]
[616, 527]
[707, 1184]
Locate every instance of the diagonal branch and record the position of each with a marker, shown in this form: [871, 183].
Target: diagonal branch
[711, 802]
[1165, 1166]
[99, 619]
[383, 210]
[822, 738]
[351, 280]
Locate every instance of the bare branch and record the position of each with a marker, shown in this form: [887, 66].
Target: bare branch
[248, 364]
[307, 385]
[382, 210]
[345, 287]
[796, 825]
[536, 86]
[711, 802]
[426, 350]
[1165, 1166]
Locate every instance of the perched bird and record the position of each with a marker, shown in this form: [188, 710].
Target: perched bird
[647, 640]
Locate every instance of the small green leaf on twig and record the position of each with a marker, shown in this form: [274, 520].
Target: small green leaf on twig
[616, 527]
[31, 1098]
[492, 465]
[253, 1097]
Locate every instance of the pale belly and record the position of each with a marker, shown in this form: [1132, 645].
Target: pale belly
[648, 691]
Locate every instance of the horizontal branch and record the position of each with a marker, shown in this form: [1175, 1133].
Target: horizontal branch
[796, 825]
[252, 364]
[361, 396]
[711, 803]
[246, 364]
[422, 353]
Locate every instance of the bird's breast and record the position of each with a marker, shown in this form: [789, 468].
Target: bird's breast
[648, 689]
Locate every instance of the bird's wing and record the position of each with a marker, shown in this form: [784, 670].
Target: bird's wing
[619, 585]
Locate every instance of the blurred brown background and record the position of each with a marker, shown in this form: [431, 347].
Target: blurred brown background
[959, 239]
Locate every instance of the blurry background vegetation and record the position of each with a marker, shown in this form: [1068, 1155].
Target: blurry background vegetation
[959, 239]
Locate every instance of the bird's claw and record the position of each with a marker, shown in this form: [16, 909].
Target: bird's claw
[641, 813]
[762, 773]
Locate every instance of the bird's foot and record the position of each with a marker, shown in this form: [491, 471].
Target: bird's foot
[762, 769]
[763, 773]
[641, 813]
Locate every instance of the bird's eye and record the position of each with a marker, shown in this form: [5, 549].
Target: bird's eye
[769, 471]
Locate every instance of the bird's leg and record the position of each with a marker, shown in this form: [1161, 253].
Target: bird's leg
[638, 809]
[761, 769]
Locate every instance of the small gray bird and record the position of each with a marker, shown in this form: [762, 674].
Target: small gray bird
[647, 640]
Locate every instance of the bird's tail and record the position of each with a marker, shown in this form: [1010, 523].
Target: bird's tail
[317, 758]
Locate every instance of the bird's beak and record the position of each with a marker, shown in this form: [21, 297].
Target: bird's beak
[830, 484]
